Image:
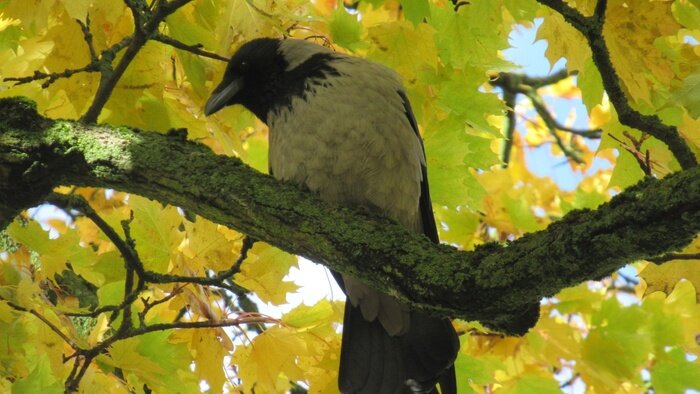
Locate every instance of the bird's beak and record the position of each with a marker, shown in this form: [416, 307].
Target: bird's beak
[222, 95]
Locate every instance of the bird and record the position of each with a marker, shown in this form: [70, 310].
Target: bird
[342, 127]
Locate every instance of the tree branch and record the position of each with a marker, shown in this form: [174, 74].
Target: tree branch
[675, 256]
[194, 49]
[513, 84]
[146, 25]
[496, 285]
[592, 28]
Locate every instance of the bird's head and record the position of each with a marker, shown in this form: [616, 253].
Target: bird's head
[266, 73]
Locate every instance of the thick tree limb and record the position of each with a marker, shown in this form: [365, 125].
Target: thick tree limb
[494, 284]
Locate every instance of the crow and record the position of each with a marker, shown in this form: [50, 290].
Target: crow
[342, 127]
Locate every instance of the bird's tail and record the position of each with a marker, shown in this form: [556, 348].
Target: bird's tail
[373, 362]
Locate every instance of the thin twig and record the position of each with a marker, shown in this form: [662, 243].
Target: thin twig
[87, 34]
[509, 100]
[147, 305]
[52, 77]
[46, 321]
[195, 49]
[675, 256]
[74, 201]
[142, 33]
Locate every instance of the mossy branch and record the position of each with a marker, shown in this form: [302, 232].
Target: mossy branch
[498, 285]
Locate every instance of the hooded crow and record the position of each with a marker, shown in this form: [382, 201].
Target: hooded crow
[342, 126]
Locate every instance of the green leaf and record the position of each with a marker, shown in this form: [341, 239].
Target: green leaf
[304, 316]
[673, 373]
[461, 98]
[590, 200]
[155, 230]
[530, 383]
[403, 47]
[616, 331]
[479, 370]
[687, 14]
[111, 293]
[591, 85]
[626, 172]
[39, 380]
[345, 29]
[466, 37]
[448, 151]
[522, 10]
[521, 214]
[688, 95]
[416, 11]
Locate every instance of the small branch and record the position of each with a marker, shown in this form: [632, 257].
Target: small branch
[509, 100]
[599, 12]
[46, 321]
[553, 125]
[195, 49]
[147, 306]
[643, 159]
[458, 4]
[128, 253]
[538, 82]
[513, 84]
[592, 28]
[87, 34]
[674, 256]
[73, 381]
[216, 280]
[142, 33]
[257, 319]
[570, 14]
[52, 77]
[523, 84]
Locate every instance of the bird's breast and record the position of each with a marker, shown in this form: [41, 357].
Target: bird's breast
[350, 154]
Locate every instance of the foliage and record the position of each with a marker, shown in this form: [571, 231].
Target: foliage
[74, 284]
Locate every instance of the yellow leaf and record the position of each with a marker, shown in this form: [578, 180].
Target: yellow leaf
[155, 230]
[77, 9]
[7, 314]
[7, 22]
[563, 41]
[263, 272]
[304, 316]
[209, 352]
[270, 354]
[33, 14]
[98, 331]
[665, 277]
[689, 130]
[29, 57]
[205, 245]
[403, 47]
[630, 30]
[125, 355]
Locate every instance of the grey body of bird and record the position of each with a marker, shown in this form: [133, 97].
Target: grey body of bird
[342, 126]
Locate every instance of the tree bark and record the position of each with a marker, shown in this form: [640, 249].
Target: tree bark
[499, 285]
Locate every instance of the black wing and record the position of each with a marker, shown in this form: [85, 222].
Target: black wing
[425, 205]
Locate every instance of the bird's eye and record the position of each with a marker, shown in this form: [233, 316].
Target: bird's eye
[243, 67]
